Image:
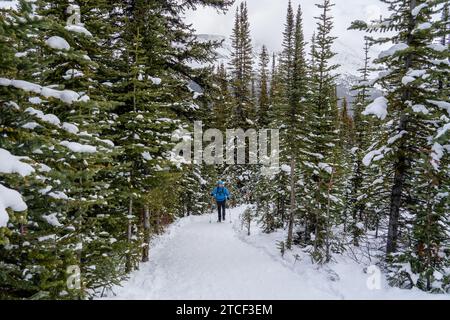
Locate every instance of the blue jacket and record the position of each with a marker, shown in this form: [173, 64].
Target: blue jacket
[220, 193]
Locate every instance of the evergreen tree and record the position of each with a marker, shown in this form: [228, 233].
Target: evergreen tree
[93, 202]
[241, 66]
[416, 229]
[324, 136]
[263, 112]
[70, 159]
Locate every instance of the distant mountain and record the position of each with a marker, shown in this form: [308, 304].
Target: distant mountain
[224, 52]
[8, 4]
[349, 59]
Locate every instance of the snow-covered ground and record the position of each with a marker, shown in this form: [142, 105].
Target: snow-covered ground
[196, 260]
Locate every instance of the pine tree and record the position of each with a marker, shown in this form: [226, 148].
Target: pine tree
[416, 229]
[323, 137]
[263, 112]
[363, 192]
[284, 112]
[93, 202]
[222, 105]
[70, 159]
[241, 66]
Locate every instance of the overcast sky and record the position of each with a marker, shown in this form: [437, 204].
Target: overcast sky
[267, 18]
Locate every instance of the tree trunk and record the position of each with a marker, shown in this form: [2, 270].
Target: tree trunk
[401, 166]
[327, 226]
[292, 208]
[146, 248]
[396, 200]
[128, 265]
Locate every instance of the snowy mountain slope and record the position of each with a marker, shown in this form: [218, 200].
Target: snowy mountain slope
[198, 260]
[349, 59]
[8, 4]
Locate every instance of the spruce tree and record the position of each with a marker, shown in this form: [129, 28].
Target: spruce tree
[323, 137]
[263, 103]
[241, 66]
[416, 109]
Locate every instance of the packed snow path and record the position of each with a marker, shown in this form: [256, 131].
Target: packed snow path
[196, 260]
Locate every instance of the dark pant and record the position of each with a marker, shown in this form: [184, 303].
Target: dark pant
[221, 210]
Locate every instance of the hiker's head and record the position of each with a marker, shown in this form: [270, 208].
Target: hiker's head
[220, 183]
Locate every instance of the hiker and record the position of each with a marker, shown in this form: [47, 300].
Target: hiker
[221, 194]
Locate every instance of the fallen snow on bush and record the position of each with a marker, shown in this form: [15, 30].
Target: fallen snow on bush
[69, 127]
[52, 219]
[78, 29]
[49, 118]
[66, 96]
[377, 108]
[393, 50]
[9, 199]
[58, 43]
[13, 164]
[79, 148]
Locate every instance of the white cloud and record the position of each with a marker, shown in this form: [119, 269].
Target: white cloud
[267, 18]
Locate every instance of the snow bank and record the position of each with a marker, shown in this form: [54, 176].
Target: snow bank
[377, 108]
[9, 199]
[253, 268]
[12, 164]
[78, 148]
[57, 43]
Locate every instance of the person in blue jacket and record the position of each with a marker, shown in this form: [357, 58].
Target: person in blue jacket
[221, 194]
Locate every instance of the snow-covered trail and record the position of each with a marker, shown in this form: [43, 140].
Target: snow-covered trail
[199, 260]
[196, 260]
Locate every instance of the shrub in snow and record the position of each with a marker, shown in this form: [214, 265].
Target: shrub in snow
[57, 43]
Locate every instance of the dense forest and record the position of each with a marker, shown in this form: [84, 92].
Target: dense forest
[93, 95]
